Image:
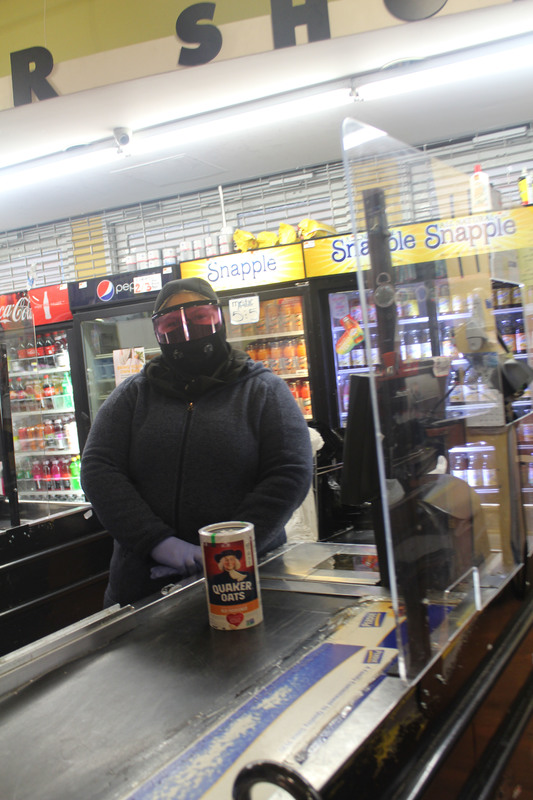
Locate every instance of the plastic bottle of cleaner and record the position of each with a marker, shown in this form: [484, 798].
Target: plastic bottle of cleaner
[480, 199]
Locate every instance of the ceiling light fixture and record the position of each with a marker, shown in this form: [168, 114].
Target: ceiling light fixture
[179, 133]
[496, 62]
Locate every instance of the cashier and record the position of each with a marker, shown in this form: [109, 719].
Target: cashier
[202, 434]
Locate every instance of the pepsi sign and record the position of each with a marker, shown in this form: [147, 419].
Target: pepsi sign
[126, 287]
[105, 291]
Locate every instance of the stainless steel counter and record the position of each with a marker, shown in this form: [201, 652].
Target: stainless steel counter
[150, 702]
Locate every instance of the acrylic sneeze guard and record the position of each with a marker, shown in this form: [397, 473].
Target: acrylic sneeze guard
[444, 490]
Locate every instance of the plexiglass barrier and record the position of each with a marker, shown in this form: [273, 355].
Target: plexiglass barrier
[441, 289]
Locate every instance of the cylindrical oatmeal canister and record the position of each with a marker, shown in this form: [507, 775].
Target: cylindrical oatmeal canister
[231, 575]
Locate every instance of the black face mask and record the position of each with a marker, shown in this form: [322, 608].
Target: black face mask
[197, 357]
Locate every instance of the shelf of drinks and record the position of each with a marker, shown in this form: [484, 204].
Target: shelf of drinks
[57, 409]
[50, 495]
[268, 336]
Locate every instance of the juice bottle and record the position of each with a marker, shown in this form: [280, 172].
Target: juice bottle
[37, 475]
[272, 316]
[352, 335]
[48, 392]
[64, 468]
[295, 391]
[75, 473]
[301, 354]
[287, 315]
[251, 349]
[263, 353]
[298, 317]
[276, 357]
[290, 362]
[305, 397]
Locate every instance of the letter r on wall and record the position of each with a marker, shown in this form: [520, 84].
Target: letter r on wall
[29, 70]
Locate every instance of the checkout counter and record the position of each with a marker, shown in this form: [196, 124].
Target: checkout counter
[378, 647]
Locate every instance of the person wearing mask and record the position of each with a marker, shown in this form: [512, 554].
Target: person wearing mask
[202, 434]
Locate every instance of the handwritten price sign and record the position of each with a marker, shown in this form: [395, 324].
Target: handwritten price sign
[244, 310]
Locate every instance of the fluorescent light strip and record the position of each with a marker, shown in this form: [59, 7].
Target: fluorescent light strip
[277, 112]
[466, 69]
[28, 174]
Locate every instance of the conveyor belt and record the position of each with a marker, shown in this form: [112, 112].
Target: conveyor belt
[99, 726]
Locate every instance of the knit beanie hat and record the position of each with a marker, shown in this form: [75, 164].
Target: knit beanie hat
[197, 285]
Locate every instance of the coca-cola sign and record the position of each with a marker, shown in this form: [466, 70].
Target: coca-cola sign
[15, 311]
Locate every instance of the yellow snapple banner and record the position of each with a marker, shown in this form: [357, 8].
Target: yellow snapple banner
[248, 270]
[464, 237]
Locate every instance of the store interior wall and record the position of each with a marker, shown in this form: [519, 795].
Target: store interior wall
[80, 248]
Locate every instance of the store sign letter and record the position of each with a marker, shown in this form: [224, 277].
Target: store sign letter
[286, 17]
[208, 37]
[29, 70]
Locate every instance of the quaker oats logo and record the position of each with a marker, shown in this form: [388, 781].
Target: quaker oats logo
[412, 10]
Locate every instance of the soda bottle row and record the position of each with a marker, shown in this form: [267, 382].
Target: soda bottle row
[51, 392]
[48, 434]
[475, 464]
[284, 315]
[40, 353]
[513, 334]
[42, 476]
[301, 391]
[283, 356]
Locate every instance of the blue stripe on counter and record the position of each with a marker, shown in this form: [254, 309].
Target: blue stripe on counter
[195, 770]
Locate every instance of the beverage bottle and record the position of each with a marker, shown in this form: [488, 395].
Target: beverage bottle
[72, 435]
[276, 355]
[489, 469]
[425, 343]
[305, 396]
[48, 433]
[301, 354]
[352, 335]
[22, 434]
[55, 474]
[12, 390]
[75, 473]
[480, 194]
[21, 349]
[48, 393]
[21, 395]
[261, 324]
[64, 467]
[61, 351]
[49, 346]
[287, 315]
[295, 391]
[263, 353]
[298, 316]
[520, 337]
[273, 316]
[31, 348]
[290, 359]
[47, 475]
[60, 435]
[508, 335]
[251, 349]
[66, 390]
[37, 475]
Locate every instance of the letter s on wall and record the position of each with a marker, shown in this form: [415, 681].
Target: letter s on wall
[208, 37]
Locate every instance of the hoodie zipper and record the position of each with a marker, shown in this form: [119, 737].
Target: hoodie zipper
[189, 411]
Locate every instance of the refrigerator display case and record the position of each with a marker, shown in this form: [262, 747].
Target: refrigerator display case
[40, 451]
[275, 333]
[113, 335]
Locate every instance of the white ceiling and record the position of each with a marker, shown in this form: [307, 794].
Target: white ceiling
[232, 155]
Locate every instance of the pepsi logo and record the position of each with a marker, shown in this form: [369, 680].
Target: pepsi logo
[105, 290]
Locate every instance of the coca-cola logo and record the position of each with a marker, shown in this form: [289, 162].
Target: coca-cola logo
[17, 312]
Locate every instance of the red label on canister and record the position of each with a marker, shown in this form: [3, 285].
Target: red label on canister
[231, 575]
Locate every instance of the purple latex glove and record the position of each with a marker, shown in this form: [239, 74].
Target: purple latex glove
[176, 557]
